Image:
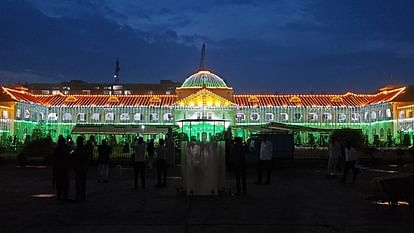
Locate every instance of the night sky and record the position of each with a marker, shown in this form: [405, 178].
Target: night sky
[285, 46]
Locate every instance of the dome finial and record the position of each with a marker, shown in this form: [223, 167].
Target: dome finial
[202, 59]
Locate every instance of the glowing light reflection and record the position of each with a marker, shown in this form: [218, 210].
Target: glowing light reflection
[44, 195]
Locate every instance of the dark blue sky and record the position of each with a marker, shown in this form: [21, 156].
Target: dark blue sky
[271, 46]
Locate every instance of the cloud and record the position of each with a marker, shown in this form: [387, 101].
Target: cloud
[8, 77]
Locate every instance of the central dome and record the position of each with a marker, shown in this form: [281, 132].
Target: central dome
[204, 79]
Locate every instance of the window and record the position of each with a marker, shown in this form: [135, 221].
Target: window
[52, 116]
[209, 115]
[124, 117]
[312, 116]
[110, 116]
[81, 116]
[117, 87]
[355, 117]
[18, 113]
[284, 117]
[298, 116]
[366, 116]
[26, 114]
[167, 116]
[342, 117]
[380, 114]
[373, 115]
[240, 117]
[388, 113]
[402, 115]
[5, 114]
[55, 92]
[255, 116]
[41, 116]
[269, 116]
[138, 117]
[45, 92]
[95, 116]
[153, 117]
[86, 92]
[67, 117]
[327, 116]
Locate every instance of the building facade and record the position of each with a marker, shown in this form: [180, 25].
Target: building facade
[203, 107]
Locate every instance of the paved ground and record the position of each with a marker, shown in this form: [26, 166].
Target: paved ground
[299, 199]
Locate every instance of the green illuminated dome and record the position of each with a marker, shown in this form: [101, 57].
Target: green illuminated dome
[204, 79]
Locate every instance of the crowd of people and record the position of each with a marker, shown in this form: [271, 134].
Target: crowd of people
[342, 151]
[69, 157]
[77, 157]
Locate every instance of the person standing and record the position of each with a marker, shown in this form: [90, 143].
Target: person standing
[139, 162]
[80, 166]
[238, 161]
[61, 169]
[104, 152]
[90, 144]
[334, 154]
[265, 160]
[161, 164]
[151, 153]
[351, 158]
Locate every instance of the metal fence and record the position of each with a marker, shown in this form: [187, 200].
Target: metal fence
[304, 153]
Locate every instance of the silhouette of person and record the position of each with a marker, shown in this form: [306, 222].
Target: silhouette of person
[61, 168]
[265, 160]
[238, 161]
[139, 162]
[80, 166]
[104, 152]
[151, 153]
[89, 148]
[161, 164]
[334, 154]
[351, 158]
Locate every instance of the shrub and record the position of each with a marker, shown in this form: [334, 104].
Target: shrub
[42, 148]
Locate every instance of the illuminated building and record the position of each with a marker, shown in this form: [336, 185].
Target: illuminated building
[205, 103]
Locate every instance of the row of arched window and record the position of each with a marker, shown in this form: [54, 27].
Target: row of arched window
[313, 117]
[109, 116]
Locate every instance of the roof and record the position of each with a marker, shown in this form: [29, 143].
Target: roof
[108, 100]
[348, 99]
[19, 95]
[204, 79]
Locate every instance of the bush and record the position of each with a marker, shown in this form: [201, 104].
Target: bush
[43, 148]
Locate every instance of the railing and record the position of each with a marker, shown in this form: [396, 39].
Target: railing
[304, 153]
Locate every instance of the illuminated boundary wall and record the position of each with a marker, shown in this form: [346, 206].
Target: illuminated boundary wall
[376, 119]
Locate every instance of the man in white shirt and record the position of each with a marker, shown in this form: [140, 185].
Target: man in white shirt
[265, 160]
[351, 158]
[334, 154]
